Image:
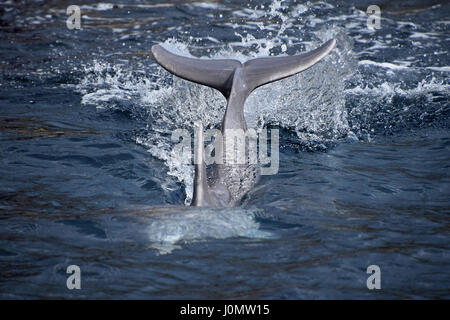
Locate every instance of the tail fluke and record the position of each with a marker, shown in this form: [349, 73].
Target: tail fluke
[261, 71]
[219, 73]
[215, 73]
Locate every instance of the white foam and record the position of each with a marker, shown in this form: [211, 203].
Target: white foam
[101, 6]
[423, 35]
[387, 89]
[382, 64]
[208, 5]
[441, 69]
[167, 232]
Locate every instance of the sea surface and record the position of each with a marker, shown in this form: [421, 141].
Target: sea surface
[87, 176]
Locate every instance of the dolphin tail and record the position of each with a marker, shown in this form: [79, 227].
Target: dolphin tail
[235, 81]
[215, 73]
[219, 73]
[261, 71]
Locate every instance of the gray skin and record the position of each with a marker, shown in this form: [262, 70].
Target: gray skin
[235, 80]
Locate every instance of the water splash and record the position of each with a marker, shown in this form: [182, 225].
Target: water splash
[312, 103]
[387, 108]
[168, 230]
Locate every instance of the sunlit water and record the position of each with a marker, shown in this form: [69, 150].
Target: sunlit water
[87, 176]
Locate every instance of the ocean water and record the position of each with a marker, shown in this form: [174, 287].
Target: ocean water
[87, 175]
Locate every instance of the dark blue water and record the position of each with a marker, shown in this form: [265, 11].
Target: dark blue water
[86, 176]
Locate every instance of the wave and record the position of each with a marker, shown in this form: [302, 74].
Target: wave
[170, 227]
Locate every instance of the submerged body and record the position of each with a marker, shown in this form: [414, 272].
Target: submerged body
[235, 80]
